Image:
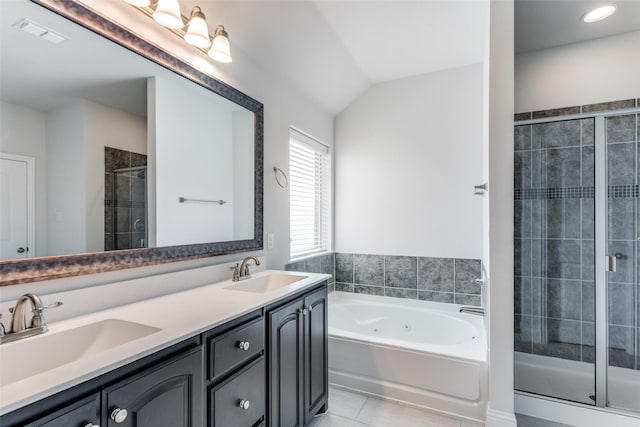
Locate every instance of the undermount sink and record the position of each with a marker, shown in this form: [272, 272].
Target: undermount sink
[267, 283]
[31, 356]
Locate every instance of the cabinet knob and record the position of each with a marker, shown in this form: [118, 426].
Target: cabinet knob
[244, 404]
[243, 345]
[119, 415]
[309, 307]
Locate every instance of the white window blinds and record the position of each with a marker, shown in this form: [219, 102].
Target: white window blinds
[309, 194]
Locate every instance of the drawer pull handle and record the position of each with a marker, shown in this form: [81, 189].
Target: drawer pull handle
[119, 415]
[243, 345]
[92, 425]
[244, 404]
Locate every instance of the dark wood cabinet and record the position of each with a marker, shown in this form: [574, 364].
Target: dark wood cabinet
[168, 395]
[240, 401]
[297, 353]
[84, 413]
[316, 369]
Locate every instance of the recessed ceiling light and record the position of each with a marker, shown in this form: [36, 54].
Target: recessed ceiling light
[598, 14]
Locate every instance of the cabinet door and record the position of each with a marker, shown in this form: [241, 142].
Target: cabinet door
[169, 395]
[285, 365]
[316, 382]
[84, 413]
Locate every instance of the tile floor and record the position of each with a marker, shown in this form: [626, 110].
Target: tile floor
[347, 409]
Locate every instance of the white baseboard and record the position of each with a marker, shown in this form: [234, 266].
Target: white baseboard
[497, 418]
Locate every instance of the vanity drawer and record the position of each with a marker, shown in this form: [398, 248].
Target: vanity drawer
[240, 401]
[226, 352]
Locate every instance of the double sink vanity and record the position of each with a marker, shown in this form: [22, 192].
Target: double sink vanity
[232, 353]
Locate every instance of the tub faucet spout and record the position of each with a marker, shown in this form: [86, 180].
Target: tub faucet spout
[478, 311]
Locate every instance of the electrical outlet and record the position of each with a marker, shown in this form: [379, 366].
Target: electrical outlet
[270, 241]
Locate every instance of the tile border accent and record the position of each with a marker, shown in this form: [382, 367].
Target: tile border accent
[613, 192]
[578, 109]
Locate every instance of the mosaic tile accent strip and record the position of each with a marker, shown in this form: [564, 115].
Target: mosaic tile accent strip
[578, 109]
[614, 192]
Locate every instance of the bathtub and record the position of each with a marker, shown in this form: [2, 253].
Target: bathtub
[419, 352]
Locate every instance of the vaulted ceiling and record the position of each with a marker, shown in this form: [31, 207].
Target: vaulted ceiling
[332, 51]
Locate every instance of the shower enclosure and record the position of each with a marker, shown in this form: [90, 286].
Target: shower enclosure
[576, 243]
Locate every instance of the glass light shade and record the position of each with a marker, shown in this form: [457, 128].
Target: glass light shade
[598, 14]
[167, 14]
[139, 3]
[197, 31]
[220, 48]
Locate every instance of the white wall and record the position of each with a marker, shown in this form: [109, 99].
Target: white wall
[498, 229]
[408, 153]
[23, 132]
[66, 187]
[600, 70]
[205, 129]
[243, 173]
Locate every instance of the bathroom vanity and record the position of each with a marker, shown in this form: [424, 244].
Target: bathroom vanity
[261, 360]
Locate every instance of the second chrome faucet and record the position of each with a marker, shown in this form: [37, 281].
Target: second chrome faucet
[241, 272]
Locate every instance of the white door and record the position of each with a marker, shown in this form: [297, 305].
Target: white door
[13, 209]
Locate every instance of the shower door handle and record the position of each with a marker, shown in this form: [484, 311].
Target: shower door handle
[612, 262]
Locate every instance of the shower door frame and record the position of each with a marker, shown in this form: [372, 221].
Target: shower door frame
[601, 246]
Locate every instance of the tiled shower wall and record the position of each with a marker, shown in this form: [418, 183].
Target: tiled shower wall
[554, 236]
[124, 200]
[449, 280]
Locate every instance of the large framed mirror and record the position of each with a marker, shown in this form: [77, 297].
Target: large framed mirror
[116, 154]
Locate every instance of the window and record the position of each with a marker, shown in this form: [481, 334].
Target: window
[309, 195]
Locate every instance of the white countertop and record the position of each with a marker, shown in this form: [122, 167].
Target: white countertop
[178, 315]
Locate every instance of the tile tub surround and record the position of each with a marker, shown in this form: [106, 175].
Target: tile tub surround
[323, 263]
[450, 280]
[554, 236]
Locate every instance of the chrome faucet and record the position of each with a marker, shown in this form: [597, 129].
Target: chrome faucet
[242, 272]
[19, 328]
[478, 311]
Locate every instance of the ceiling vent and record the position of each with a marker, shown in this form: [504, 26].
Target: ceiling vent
[39, 31]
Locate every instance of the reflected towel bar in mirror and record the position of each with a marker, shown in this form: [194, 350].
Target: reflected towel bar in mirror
[184, 199]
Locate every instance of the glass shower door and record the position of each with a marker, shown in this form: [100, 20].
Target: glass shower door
[554, 245]
[621, 370]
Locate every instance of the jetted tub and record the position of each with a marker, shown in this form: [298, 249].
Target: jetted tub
[419, 352]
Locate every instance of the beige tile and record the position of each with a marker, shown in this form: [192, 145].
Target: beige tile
[345, 403]
[332, 420]
[381, 413]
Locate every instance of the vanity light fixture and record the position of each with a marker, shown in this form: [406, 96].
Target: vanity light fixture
[598, 14]
[195, 31]
[220, 48]
[168, 14]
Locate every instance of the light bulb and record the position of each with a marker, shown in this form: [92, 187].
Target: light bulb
[167, 14]
[197, 31]
[220, 48]
[598, 14]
